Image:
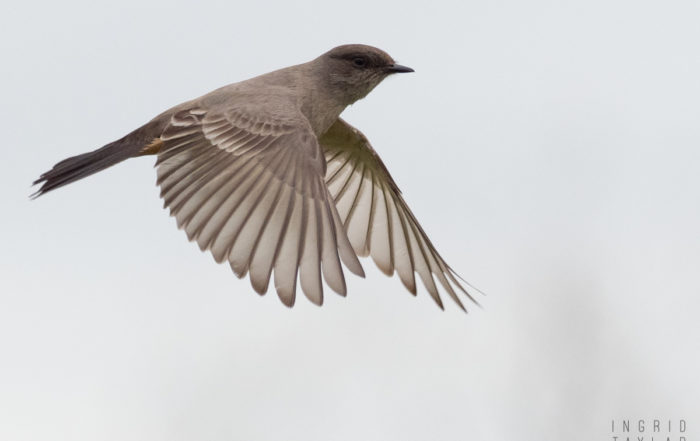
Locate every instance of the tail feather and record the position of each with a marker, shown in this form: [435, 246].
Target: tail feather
[75, 168]
[80, 166]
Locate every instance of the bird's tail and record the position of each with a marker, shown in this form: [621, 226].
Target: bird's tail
[77, 167]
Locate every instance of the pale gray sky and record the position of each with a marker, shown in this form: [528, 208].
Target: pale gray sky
[550, 149]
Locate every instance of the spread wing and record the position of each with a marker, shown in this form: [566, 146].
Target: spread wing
[376, 218]
[250, 188]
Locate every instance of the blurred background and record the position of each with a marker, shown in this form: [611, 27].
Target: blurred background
[549, 149]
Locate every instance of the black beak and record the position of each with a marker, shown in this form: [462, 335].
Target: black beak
[397, 68]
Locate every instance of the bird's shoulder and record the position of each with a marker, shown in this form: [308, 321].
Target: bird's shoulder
[271, 103]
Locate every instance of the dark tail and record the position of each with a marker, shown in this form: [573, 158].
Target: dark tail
[75, 168]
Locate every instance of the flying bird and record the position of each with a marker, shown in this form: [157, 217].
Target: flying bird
[265, 175]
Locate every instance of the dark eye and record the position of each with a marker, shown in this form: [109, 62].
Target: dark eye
[359, 61]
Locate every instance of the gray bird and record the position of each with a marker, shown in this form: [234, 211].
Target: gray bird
[265, 175]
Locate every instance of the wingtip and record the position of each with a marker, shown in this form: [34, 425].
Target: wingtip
[475, 302]
[288, 302]
[468, 284]
[353, 265]
[239, 270]
[440, 305]
[287, 299]
[261, 289]
[461, 306]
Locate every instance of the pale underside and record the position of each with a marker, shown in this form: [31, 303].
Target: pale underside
[272, 200]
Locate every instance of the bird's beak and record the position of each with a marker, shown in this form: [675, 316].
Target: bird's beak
[397, 68]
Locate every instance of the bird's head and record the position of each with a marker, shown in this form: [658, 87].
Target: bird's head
[355, 69]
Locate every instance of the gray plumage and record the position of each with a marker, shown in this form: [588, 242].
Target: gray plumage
[265, 175]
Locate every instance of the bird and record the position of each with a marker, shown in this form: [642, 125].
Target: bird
[265, 175]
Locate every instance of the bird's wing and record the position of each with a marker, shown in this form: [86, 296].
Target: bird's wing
[249, 188]
[376, 218]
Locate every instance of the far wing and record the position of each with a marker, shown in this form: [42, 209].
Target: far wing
[376, 218]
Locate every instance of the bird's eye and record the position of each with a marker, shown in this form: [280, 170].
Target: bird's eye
[359, 61]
